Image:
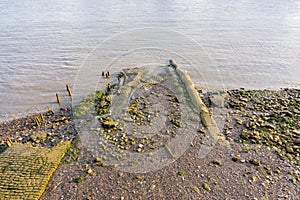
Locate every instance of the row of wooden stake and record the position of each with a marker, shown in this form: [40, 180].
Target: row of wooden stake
[69, 92]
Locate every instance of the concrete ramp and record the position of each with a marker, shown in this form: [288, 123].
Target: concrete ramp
[25, 171]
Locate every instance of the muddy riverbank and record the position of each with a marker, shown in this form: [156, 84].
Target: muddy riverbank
[261, 161]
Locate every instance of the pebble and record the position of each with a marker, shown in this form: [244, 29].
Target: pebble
[254, 162]
[138, 177]
[217, 162]
[196, 189]
[121, 174]
[206, 186]
[90, 171]
[235, 159]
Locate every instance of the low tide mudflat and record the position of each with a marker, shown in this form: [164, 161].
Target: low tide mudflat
[261, 160]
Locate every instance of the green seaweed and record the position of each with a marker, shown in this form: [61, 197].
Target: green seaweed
[78, 179]
[180, 173]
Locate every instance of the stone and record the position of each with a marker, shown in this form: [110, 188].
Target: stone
[121, 174]
[289, 149]
[78, 179]
[235, 159]
[297, 132]
[254, 162]
[217, 162]
[296, 141]
[180, 173]
[195, 188]
[206, 186]
[110, 124]
[38, 136]
[90, 171]
[218, 100]
[138, 177]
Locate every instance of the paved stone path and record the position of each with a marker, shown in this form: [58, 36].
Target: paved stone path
[25, 171]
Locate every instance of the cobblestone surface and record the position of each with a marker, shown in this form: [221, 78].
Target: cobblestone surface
[25, 171]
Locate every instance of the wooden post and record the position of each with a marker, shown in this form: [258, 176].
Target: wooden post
[42, 117]
[37, 121]
[107, 74]
[58, 99]
[69, 90]
[108, 88]
[173, 63]
[51, 111]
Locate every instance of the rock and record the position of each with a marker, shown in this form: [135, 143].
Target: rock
[110, 124]
[206, 186]
[297, 132]
[289, 149]
[296, 141]
[121, 174]
[254, 162]
[235, 159]
[177, 123]
[217, 162]
[103, 164]
[195, 188]
[239, 121]
[138, 177]
[38, 136]
[243, 99]
[78, 179]
[90, 172]
[254, 178]
[218, 100]
[180, 173]
[294, 180]
[97, 160]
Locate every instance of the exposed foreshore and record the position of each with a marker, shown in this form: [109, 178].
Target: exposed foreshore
[261, 162]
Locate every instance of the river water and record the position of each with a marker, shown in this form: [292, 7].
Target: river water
[43, 44]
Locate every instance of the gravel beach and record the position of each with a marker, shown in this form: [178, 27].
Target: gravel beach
[260, 162]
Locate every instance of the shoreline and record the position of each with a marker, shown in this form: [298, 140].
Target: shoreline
[8, 118]
[52, 123]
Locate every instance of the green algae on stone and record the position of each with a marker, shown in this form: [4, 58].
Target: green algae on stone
[83, 107]
[271, 118]
[78, 180]
[177, 123]
[180, 173]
